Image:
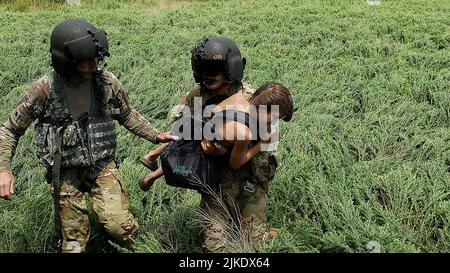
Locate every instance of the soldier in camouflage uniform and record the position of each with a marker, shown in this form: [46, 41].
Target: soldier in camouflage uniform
[242, 191]
[76, 106]
[218, 70]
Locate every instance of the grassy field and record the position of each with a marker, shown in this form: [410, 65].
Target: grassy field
[365, 158]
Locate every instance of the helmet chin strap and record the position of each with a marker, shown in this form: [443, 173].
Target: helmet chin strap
[224, 90]
[100, 66]
[78, 76]
[86, 71]
[208, 82]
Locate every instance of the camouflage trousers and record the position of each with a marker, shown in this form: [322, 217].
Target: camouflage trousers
[232, 204]
[109, 201]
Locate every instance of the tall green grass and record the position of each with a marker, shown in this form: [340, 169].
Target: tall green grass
[364, 158]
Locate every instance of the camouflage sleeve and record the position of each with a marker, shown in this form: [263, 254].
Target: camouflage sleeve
[131, 119]
[189, 101]
[30, 106]
[186, 101]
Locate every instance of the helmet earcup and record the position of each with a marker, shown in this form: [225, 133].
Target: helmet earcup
[197, 54]
[235, 68]
[63, 65]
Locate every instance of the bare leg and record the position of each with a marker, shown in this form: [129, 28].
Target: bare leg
[154, 154]
[147, 181]
[150, 159]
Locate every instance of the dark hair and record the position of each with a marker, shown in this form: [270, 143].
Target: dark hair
[275, 94]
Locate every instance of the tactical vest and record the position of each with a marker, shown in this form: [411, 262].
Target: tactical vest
[82, 143]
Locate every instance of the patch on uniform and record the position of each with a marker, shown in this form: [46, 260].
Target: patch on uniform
[217, 57]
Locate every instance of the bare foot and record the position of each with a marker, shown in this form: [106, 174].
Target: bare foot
[146, 182]
[152, 165]
[150, 160]
[152, 156]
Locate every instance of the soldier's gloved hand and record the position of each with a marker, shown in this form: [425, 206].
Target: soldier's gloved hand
[165, 137]
[6, 185]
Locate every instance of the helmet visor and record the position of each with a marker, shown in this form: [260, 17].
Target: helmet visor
[88, 47]
[211, 68]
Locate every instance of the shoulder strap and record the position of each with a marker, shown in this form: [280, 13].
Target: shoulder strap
[57, 102]
[236, 115]
[104, 93]
[241, 117]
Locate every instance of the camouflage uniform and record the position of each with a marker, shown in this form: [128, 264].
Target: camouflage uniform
[107, 195]
[231, 199]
